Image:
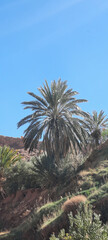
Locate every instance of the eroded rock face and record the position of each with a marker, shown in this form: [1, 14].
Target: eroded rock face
[16, 143]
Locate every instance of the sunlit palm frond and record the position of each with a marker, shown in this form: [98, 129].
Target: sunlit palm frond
[8, 156]
[56, 118]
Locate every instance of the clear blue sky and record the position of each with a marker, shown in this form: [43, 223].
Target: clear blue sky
[49, 39]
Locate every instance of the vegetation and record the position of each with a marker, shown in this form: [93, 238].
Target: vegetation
[45, 171]
[39, 172]
[63, 176]
[96, 122]
[19, 177]
[85, 225]
[104, 134]
[8, 157]
[99, 193]
[56, 118]
[48, 175]
[92, 183]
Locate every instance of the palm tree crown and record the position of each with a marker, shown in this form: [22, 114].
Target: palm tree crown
[54, 119]
[96, 122]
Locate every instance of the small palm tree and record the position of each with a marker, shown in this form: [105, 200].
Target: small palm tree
[96, 122]
[7, 157]
[54, 119]
[104, 134]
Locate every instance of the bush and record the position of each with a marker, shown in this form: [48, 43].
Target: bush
[19, 177]
[48, 174]
[62, 236]
[45, 171]
[39, 172]
[84, 226]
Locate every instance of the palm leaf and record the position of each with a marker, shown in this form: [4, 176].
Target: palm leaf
[57, 118]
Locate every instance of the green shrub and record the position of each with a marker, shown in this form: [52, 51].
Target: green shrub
[39, 172]
[62, 236]
[84, 226]
[45, 171]
[99, 193]
[48, 174]
[19, 177]
[104, 134]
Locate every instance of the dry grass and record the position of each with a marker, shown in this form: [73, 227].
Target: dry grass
[84, 173]
[73, 203]
[50, 218]
[3, 233]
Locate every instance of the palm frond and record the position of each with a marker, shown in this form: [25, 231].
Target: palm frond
[57, 119]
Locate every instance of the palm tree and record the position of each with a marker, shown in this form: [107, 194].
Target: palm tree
[104, 134]
[56, 118]
[96, 122]
[8, 156]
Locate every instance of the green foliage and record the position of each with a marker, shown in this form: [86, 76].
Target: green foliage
[104, 134]
[19, 177]
[45, 171]
[56, 118]
[96, 122]
[62, 236]
[84, 226]
[8, 157]
[48, 174]
[99, 193]
[87, 225]
[39, 172]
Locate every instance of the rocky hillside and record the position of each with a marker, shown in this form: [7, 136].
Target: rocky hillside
[24, 217]
[16, 143]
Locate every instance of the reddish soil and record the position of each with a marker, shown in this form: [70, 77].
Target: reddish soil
[16, 207]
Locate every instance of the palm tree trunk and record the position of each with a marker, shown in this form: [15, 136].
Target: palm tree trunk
[56, 153]
[97, 141]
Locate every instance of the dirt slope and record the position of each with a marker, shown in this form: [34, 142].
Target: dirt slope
[17, 207]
